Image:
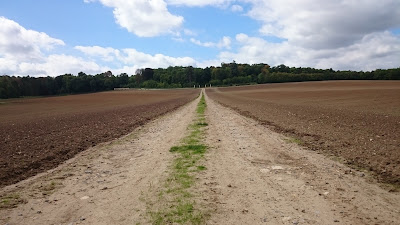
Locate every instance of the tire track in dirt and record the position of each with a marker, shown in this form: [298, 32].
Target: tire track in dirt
[254, 176]
[104, 184]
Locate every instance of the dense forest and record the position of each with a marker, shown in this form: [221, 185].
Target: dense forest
[178, 77]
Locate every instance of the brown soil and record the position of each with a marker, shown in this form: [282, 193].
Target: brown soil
[38, 134]
[253, 176]
[358, 121]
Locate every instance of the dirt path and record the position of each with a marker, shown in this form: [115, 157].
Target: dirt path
[253, 176]
[105, 184]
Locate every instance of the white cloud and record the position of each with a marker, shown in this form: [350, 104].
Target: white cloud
[212, 62]
[130, 70]
[236, 8]
[200, 3]
[225, 42]
[257, 50]
[142, 60]
[126, 61]
[55, 65]
[18, 43]
[178, 39]
[334, 34]
[339, 34]
[106, 54]
[24, 52]
[320, 24]
[189, 32]
[27, 52]
[376, 50]
[52, 65]
[8, 66]
[131, 58]
[144, 18]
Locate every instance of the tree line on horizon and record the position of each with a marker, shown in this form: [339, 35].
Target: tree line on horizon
[227, 74]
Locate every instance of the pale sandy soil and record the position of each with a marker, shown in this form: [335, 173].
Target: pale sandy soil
[253, 176]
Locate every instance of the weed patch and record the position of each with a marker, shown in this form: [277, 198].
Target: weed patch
[294, 140]
[11, 201]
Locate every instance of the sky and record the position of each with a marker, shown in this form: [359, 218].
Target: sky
[54, 37]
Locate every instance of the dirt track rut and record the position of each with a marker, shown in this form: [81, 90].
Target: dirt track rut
[253, 176]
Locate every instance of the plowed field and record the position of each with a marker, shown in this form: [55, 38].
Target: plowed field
[357, 121]
[249, 174]
[38, 134]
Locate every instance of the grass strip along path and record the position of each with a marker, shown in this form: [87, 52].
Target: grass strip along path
[176, 202]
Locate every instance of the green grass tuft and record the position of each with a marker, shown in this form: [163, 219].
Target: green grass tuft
[294, 140]
[201, 168]
[203, 124]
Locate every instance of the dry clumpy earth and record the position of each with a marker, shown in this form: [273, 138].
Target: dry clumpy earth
[40, 133]
[252, 175]
[358, 121]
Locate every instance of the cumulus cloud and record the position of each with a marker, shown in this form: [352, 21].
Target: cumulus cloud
[257, 50]
[106, 54]
[142, 60]
[236, 8]
[200, 3]
[8, 66]
[55, 65]
[334, 34]
[325, 25]
[189, 32]
[225, 42]
[24, 52]
[52, 65]
[376, 50]
[19, 43]
[125, 61]
[131, 58]
[27, 52]
[144, 18]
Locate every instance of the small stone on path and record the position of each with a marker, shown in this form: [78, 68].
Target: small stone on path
[85, 197]
[277, 167]
[264, 170]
